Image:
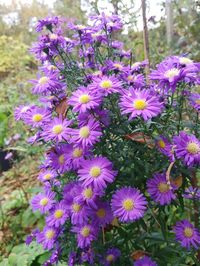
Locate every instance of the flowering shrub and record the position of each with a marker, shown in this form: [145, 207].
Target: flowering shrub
[122, 150]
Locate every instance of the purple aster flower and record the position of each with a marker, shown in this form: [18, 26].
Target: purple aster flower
[47, 84]
[58, 215]
[140, 103]
[48, 69]
[86, 233]
[71, 191]
[34, 138]
[112, 255]
[159, 189]
[122, 53]
[47, 175]
[128, 204]
[47, 22]
[108, 22]
[75, 156]
[187, 148]
[102, 215]
[78, 27]
[136, 80]
[167, 74]
[84, 99]
[37, 116]
[8, 156]
[106, 85]
[186, 234]
[117, 44]
[47, 237]
[31, 237]
[89, 196]
[88, 256]
[43, 201]
[102, 116]
[192, 193]
[116, 66]
[38, 49]
[20, 111]
[72, 258]
[165, 147]
[78, 212]
[54, 258]
[136, 66]
[96, 173]
[145, 261]
[57, 130]
[58, 159]
[87, 135]
[195, 101]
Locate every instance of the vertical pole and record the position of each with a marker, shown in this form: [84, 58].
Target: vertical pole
[145, 37]
[169, 22]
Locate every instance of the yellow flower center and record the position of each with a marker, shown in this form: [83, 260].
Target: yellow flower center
[140, 104]
[43, 80]
[135, 64]
[110, 258]
[24, 109]
[193, 148]
[50, 234]
[53, 36]
[106, 84]
[37, 118]
[88, 193]
[57, 129]
[185, 60]
[101, 213]
[44, 201]
[128, 204]
[111, 24]
[95, 171]
[77, 152]
[130, 77]
[171, 73]
[80, 27]
[95, 34]
[118, 66]
[188, 232]
[85, 231]
[61, 159]
[47, 176]
[163, 187]
[84, 132]
[76, 207]
[197, 101]
[161, 144]
[58, 214]
[51, 67]
[85, 98]
[97, 73]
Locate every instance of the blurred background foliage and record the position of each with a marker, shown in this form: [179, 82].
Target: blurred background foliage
[17, 19]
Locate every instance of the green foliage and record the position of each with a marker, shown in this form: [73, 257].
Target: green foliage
[23, 255]
[14, 56]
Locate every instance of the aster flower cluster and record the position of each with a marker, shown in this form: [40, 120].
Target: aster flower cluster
[102, 185]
